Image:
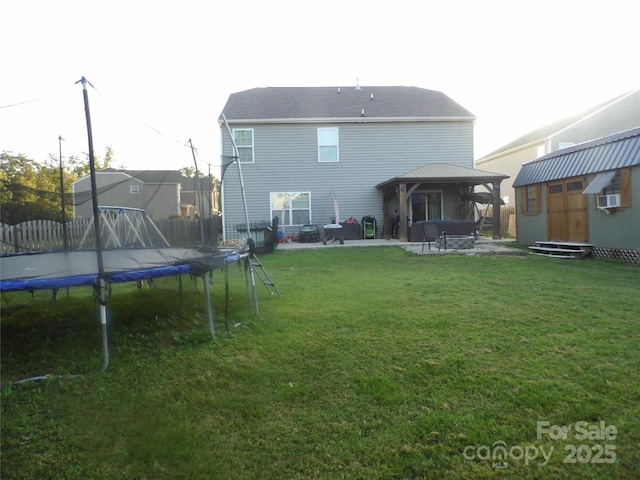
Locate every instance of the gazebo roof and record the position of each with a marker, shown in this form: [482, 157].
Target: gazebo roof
[443, 173]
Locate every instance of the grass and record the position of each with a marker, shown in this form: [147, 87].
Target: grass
[375, 364]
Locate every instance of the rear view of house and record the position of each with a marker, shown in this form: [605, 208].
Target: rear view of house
[588, 193]
[323, 154]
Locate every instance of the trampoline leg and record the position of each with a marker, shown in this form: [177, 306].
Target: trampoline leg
[251, 284]
[212, 330]
[105, 337]
[255, 290]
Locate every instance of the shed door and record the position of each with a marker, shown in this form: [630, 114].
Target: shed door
[567, 211]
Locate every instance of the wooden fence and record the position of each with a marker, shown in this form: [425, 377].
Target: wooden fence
[45, 235]
[507, 220]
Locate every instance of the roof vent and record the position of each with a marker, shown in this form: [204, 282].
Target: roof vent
[358, 84]
[338, 89]
[372, 96]
[362, 114]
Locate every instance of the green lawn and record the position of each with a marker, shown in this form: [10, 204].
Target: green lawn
[375, 364]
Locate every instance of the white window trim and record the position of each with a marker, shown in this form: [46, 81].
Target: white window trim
[253, 150]
[289, 209]
[337, 145]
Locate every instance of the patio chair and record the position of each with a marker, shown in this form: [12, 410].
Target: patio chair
[430, 234]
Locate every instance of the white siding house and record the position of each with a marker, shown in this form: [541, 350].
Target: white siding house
[306, 150]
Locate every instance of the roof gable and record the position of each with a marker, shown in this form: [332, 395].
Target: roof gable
[608, 153]
[335, 103]
[152, 176]
[158, 177]
[547, 131]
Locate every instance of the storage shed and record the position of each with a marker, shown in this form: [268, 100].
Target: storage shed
[588, 193]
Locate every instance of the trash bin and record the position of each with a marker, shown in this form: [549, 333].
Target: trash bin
[368, 227]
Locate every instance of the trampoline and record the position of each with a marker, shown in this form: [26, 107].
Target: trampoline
[79, 268]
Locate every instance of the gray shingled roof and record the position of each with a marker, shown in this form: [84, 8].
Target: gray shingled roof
[549, 130]
[325, 103]
[160, 176]
[603, 154]
[444, 173]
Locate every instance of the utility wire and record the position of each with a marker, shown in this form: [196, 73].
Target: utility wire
[128, 114]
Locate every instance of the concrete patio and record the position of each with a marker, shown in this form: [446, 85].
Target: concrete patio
[483, 246]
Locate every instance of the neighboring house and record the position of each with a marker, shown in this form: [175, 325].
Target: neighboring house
[322, 154]
[162, 194]
[613, 116]
[587, 193]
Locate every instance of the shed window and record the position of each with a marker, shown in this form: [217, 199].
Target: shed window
[575, 186]
[531, 200]
[613, 186]
[612, 182]
[600, 182]
[621, 184]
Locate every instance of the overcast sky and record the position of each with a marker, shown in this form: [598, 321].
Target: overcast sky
[163, 70]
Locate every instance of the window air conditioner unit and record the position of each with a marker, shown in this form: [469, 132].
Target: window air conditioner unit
[609, 201]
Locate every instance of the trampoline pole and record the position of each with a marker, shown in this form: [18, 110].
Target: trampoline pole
[101, 281]
[209, 309]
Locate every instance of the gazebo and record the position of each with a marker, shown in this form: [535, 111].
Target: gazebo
[458, 187]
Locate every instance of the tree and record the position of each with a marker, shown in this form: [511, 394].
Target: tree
[31, 191]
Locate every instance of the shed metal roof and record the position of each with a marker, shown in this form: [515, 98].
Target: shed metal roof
[341, 104]
[603, 154]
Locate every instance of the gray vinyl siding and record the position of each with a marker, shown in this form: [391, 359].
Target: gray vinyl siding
[286, 160]
[159, 201]
[619, 117]
[620, 229]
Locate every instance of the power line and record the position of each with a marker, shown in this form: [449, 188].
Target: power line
[116, 107]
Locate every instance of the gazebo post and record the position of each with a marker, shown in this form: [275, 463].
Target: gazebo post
[496, 211]
[403, 234]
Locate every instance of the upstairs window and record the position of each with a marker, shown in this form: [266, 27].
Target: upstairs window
[328, 145]
[244, 142]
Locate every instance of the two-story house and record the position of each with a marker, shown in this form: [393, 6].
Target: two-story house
[162, 194]
[324, 154]
[613, 116]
